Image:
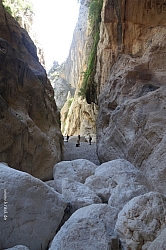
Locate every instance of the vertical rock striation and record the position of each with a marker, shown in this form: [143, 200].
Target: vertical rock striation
[58, 81]
[30, 137]
[80, 118]
[131, 78]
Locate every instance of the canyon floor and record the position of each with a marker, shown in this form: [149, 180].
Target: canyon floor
[85, 151]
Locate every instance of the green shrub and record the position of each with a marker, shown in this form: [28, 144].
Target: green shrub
[7, 7]
[18, 8]
[70, 102]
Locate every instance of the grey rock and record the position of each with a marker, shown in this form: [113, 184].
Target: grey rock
[78, 194]
[88, 228]
[141, 220]
[159, 242]
[18, 247]
[77, 170]
[117, 172]
[30, 211]
[124, 192]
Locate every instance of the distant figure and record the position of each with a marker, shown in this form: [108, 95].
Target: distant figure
[90, 139]
[78, 141]
[67, 138]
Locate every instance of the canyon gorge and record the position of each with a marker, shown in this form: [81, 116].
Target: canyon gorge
[112, 87]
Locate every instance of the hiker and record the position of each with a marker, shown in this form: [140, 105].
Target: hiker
[78, 141]
[90, 139]
[67, 138]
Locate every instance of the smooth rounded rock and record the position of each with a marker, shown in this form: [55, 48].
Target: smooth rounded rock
[78, 194]
[88, 228]
[78, 170]
[30, 211]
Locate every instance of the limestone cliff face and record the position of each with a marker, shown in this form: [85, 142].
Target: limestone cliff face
[30, 137]
[58, 81]
[131, 77]
[80, 118]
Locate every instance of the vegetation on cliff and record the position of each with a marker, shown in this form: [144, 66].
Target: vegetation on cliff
[89, 86]
[18, 8]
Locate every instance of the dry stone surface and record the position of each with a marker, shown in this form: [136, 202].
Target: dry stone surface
[18, 247]
[77, 170]
[117, 172]
[131, 75]
[34, 211]
[141, 220]
[78, 194]
[101, 185]
[124, 192]
[88, 228]
[159, 242]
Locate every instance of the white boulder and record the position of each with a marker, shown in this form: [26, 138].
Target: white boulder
[124, 192]
[88, 228]
[78, 170]
[30, 211]
[110, 174]
[101, 185]
[50, 184]
[159, 242]
[141, 220]
[78, 194]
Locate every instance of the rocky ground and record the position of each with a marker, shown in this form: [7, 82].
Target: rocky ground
[85, 151]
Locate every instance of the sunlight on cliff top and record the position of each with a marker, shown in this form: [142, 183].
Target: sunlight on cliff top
[54, 24]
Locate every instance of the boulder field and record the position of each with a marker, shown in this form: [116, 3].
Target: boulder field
[111, 206]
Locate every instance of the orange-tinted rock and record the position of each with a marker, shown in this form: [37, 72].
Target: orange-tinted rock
[131, 75]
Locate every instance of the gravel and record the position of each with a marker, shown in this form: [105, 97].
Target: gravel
[85, 151]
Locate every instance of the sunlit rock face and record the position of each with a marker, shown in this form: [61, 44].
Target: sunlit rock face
[30, 137]
[58, 81]
[131, 75]
[80, 118]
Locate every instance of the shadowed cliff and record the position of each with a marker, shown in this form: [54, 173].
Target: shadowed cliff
[30, 134]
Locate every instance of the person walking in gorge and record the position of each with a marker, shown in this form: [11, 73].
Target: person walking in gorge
[78, 141]
[90, 139]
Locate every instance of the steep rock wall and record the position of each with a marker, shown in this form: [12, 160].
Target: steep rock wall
[81, 117]
[22, 11]
[58, 81]
[131, 78]
[30, 137]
